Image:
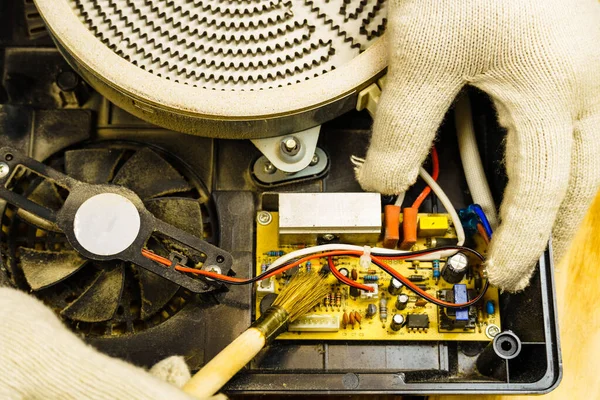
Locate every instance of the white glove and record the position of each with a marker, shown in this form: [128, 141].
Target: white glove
[539, 60]
[41, 359]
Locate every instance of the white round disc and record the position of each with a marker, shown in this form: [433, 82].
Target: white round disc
[106, 224]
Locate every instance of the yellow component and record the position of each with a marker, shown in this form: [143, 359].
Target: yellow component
[432, 225]
[364, 328]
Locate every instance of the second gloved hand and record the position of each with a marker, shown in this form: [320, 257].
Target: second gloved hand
[539, 60]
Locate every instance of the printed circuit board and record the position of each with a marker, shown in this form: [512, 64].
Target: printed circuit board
[391, 311]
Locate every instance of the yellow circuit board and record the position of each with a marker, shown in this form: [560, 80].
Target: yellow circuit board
[327, 321]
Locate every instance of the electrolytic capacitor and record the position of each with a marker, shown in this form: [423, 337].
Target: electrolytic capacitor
[383, 309]
[397, 322]
[371, 310]
[490, 307]
[401, 302]
[344, 272]
[371, 278]
[395, 287]
[456, 268]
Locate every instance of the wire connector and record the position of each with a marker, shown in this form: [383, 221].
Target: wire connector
[365, 258]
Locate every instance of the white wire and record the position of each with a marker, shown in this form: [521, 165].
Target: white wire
[350, 247]
[439, 192]
[400, 199]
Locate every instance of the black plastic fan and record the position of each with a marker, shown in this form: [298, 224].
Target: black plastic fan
[119, 296]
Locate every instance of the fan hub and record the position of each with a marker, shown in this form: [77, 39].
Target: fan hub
[106, 224]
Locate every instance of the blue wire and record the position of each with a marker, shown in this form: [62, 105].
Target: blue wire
[484, 221]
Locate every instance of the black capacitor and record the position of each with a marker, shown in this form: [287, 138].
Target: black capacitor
[455, 269]
[397, 322]
[354, 292]
[395, 287]
[344, 272]
[401, 302]
[371, 310]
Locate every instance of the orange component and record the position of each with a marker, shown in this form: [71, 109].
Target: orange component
[391, 215]
[409, 228]
[354, 274]
[351, 320]
[345, 320]
[357, 317]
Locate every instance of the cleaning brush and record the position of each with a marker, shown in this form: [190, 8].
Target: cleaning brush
[301, 294]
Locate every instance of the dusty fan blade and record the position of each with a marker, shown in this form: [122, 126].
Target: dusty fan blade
[149, 175]
[44, 194]
[44, 268]
[181, 212]
[155, 292]
[100, 300]
[92, 165]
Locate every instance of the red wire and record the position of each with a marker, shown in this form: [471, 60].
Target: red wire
[344, 279]
[434, 174]
[379, 260]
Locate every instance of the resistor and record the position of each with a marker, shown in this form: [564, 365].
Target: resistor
[371, 278]
[436, 270]
[326, 301]
[416, 278]
[383, 309]
[370, 272]
[275, 253]
[345, 320]
[338, 299]
[331, 299]
[263, 268]
[308, 266]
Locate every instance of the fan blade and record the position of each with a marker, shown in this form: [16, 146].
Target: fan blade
[149, 175]
[183, 213]
[44, 268]
[44, 194]
[100, 300]
[155, 292]
[92, 165]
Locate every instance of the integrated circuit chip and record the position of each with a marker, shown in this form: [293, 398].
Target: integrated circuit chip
[417, 321]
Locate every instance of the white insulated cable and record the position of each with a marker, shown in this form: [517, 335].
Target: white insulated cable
[471, 161]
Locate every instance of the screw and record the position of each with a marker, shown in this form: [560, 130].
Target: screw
[4, 169]
[212, 268]
[492, 330]
[269, 168]
[264, 218]
[328, 236]
[315, 160]
[290, 146]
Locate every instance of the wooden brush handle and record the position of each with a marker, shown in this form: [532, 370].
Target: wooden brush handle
[226, 364]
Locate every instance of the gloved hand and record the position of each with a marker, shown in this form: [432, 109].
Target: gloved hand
[539, 60]
[41, 359]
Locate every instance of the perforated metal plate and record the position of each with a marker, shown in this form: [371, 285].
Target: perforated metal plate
[177, 61]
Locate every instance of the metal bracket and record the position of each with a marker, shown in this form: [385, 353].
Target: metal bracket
[282, 153]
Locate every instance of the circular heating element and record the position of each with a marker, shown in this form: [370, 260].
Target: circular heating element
[230, 68]
[106, 224]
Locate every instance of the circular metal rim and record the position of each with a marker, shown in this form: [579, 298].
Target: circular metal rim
[141, 85]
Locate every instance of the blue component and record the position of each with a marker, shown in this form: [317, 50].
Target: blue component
[461, 296]
[263, 267]
[490, 307]
[308, 266]
[469, 220]
[436, 268]
[275, 253]
[476, 208]
[371, 278]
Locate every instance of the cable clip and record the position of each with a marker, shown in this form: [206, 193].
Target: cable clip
[365, 258]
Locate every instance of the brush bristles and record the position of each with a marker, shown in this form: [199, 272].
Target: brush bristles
[303, 292]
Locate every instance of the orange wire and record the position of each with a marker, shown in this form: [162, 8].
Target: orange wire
[434, 174]
[483, 233]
